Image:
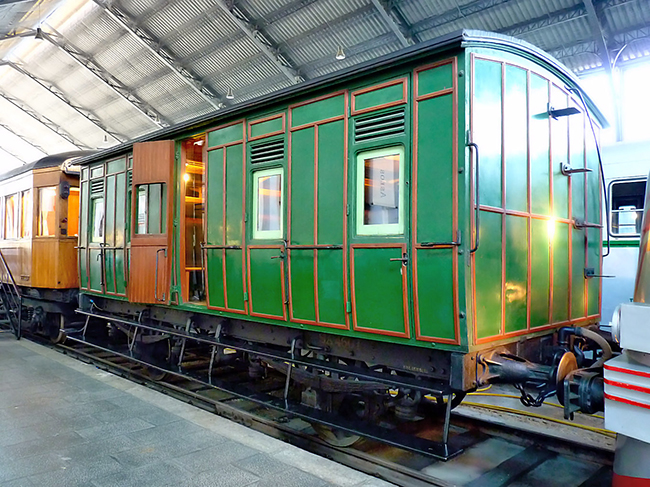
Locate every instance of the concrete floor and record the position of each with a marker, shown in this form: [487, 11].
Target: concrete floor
[65, 423]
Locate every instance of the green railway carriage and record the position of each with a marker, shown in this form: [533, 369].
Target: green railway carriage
[410, 213]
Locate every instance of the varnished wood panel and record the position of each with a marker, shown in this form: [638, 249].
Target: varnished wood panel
[142, 285]
[54, 263]
[153, 162]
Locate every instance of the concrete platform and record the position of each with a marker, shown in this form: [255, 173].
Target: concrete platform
[66, 423]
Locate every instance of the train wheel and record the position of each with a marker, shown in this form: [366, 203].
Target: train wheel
[55, 329]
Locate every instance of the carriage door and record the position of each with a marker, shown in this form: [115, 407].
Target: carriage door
[151, 221]
[379, 172]
[435, 237]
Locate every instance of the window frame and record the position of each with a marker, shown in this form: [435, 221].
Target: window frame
[162, 209]
[267, 234]
[611, 209]
[39, 228]
[15, 231]
[382, 229]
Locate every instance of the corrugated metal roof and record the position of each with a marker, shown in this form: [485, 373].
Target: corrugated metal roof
[137, 64]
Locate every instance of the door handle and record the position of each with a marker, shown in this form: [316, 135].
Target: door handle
[155, 289]
[404, 259]
[474, 248]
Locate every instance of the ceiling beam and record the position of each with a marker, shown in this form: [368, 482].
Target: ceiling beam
[53, 89]
[384, 10]
[22, 137]
[162, 52]
[12, 154]
[619, 40]
[86, 61]
[457, 13]
[256, 34]
[46, 122]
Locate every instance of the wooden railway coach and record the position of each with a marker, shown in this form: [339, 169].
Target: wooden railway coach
[39, 203]
[403, 215]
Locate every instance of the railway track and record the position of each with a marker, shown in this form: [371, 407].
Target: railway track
[494, 455]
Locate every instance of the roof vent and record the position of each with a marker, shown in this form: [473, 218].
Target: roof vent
[267, 151]
[97, 186]
[382, 125]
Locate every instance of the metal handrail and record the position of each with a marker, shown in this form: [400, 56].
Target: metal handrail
[11, 297]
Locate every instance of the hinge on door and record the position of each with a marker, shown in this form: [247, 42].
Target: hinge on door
[245, 296]
[347, 210]
[348, 307]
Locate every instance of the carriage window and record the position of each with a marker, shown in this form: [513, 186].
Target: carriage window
[97, 220]
[380, 176]
[267, 218]
[73, 212]
[626, 200]
[151, 205]
[47, 211]
[11, 216]
[26, 214]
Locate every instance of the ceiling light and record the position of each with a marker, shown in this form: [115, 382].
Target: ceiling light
[39, 34]
[230, 95]
[340, 55]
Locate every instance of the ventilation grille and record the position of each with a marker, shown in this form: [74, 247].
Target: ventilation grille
[267, 151]
[97, 186]
[377, 126]
[129, 179]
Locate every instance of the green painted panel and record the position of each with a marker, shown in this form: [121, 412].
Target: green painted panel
[488, 276]
[378, 288]
[539, 146]
[331, 159]
[435, 292]
[214, 259]
[560, 145]
[109, 237]
[97, 171]
[109, 281]
[435, 156]
[378, 97]
[116, 166]
[302, 187]
[83, 219]
[84, 173]
[120, 210]
[120, 278]
[83, 272]
[266, 282]
[234, 194]
[95, 270]
[319, 110]
[560, 272]
[487, 128]
[214, 197]
[593, 180]
[331, 302]
[235, 279]
[593, 260]
[577, 273]
[516, 273]
[264, 128]
[226, 135]
[577, 160]
[435, 79]
[516, 146]
[539, 273]
[302, 285]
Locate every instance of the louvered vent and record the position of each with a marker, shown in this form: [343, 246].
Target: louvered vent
[267, 151]
[97, 186]
[129, 179]
[376, 126]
